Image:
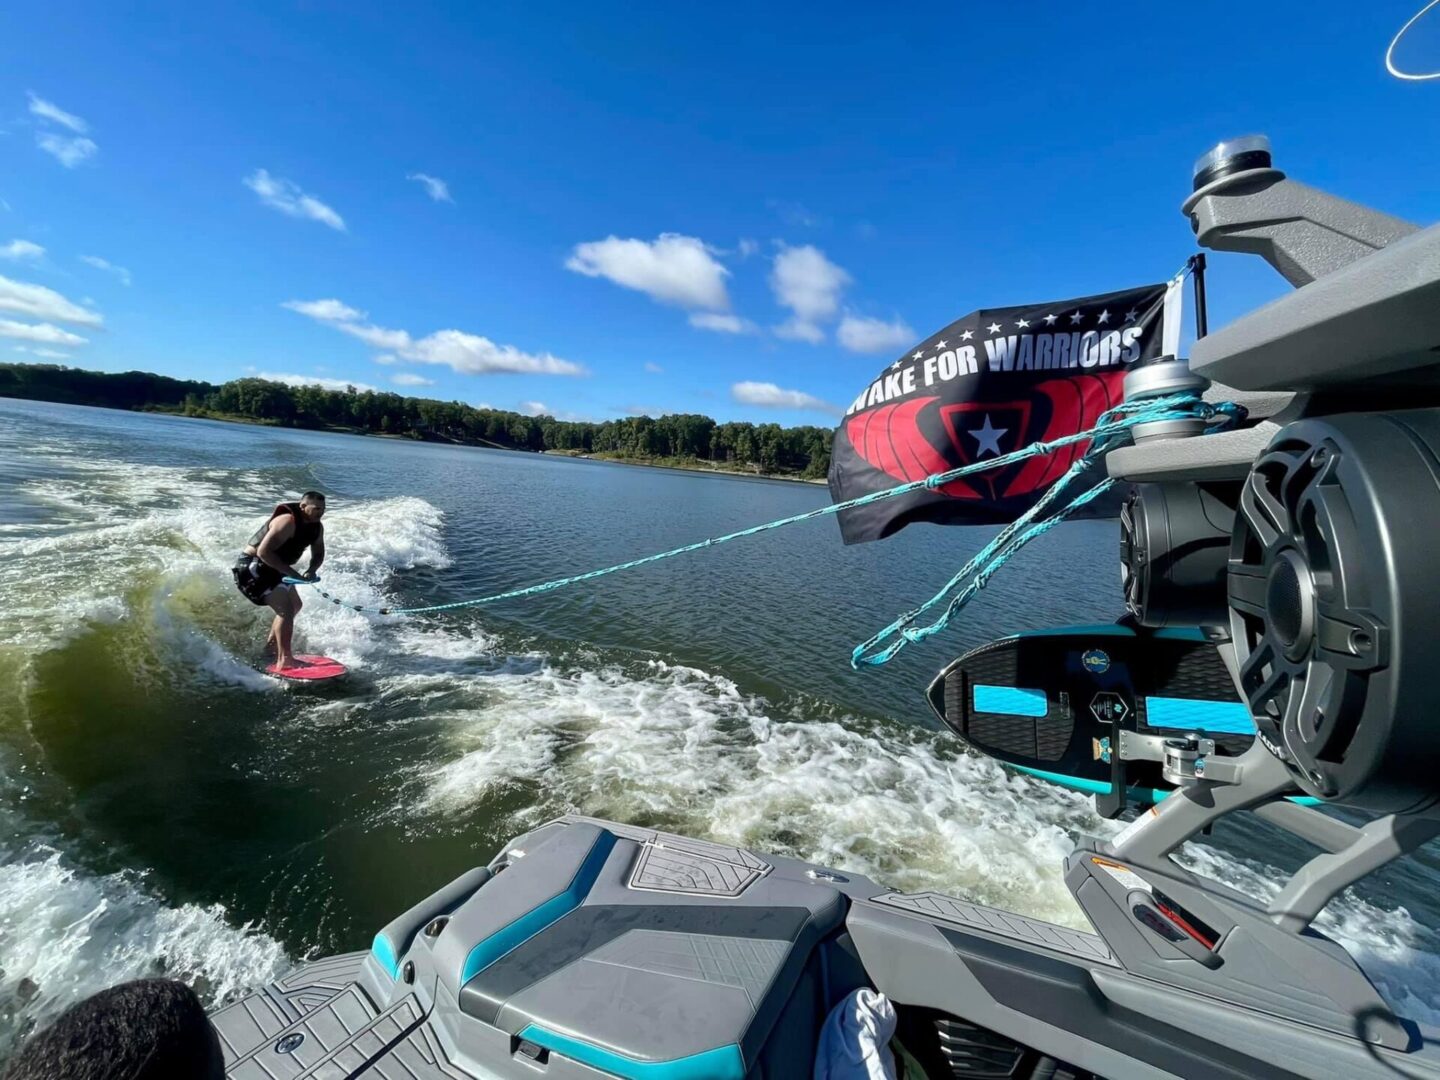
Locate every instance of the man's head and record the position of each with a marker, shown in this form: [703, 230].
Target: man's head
[151, 1029]
[312, 505]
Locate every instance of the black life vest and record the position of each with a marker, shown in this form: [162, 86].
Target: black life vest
[306, 533]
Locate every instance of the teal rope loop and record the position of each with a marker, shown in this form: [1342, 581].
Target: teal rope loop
[1008, 542]
[1112, 426]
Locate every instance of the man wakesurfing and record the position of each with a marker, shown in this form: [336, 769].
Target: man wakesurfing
[270, 557]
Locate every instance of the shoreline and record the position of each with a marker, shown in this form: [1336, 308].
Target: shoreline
[480, 444]
[698, 470]
[483, 444]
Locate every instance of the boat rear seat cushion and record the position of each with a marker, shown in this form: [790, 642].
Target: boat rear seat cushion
[559, 950]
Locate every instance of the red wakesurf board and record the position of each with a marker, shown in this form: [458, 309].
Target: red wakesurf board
[308, 669]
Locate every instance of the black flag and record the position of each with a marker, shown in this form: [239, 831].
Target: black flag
[988, 384]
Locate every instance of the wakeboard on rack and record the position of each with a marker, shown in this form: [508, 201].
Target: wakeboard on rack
[1051, 703]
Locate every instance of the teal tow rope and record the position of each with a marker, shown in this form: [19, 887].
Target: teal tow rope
[1020, 532]
[1104, 435]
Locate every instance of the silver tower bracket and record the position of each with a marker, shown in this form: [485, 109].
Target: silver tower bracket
[1302, 232]
[1165, 922]
[1367, 305]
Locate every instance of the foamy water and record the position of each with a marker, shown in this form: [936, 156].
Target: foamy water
[475, 727]
[657, 741]
[144, 548]
[66, 934]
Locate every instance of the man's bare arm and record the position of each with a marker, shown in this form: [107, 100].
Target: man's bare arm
[317, 556]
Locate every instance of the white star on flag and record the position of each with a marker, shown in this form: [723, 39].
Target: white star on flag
[917, 356]
[895, 365]
[967, 335]
[1021, 324]
[939, 345]
[987, 438]
[1075, 318]
[994, 328]
[1104, 317]
[1131, 315]
[1050, 320]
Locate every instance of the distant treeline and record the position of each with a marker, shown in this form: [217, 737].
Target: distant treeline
[769, 448]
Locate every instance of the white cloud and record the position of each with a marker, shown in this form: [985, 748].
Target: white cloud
[642, 410]
[48, 354]
[375, 336]
[286, 196]
[324, 310]
[44, 333]
[69, 150]
[436, 188]
[38, 302]
[472, 354]
[534, 408]
[109, 267]
[864, 335]
[468, 354]
[347, 320]
[654, 369]
[809, 284]
[312, 380]
[671, 269]
[16, 250]
[721, 323]
[771, 396]
[47, 110]
[407, 378]
[387, 358]
[748, 247]
[799, 330]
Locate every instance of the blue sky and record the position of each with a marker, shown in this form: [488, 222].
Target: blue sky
[744, 210]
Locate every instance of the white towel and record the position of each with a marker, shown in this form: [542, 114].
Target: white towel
[855, 1041]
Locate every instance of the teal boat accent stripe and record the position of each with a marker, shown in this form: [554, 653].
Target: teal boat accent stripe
[1097, 787]
[1093, 630]
[1224, 717]
[492, 948]
[1080, 783]
[1077, 783]
[1010, 700]
[721, 1063]
[384, 952]
[1169, 633]
[1181, 633]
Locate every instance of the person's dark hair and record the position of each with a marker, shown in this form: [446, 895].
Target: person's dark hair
[150, 1029]
[313, 496]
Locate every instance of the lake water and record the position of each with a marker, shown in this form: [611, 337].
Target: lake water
[164, 807]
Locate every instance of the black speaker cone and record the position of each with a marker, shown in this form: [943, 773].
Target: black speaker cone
[1174, 541]
[1334, 595]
